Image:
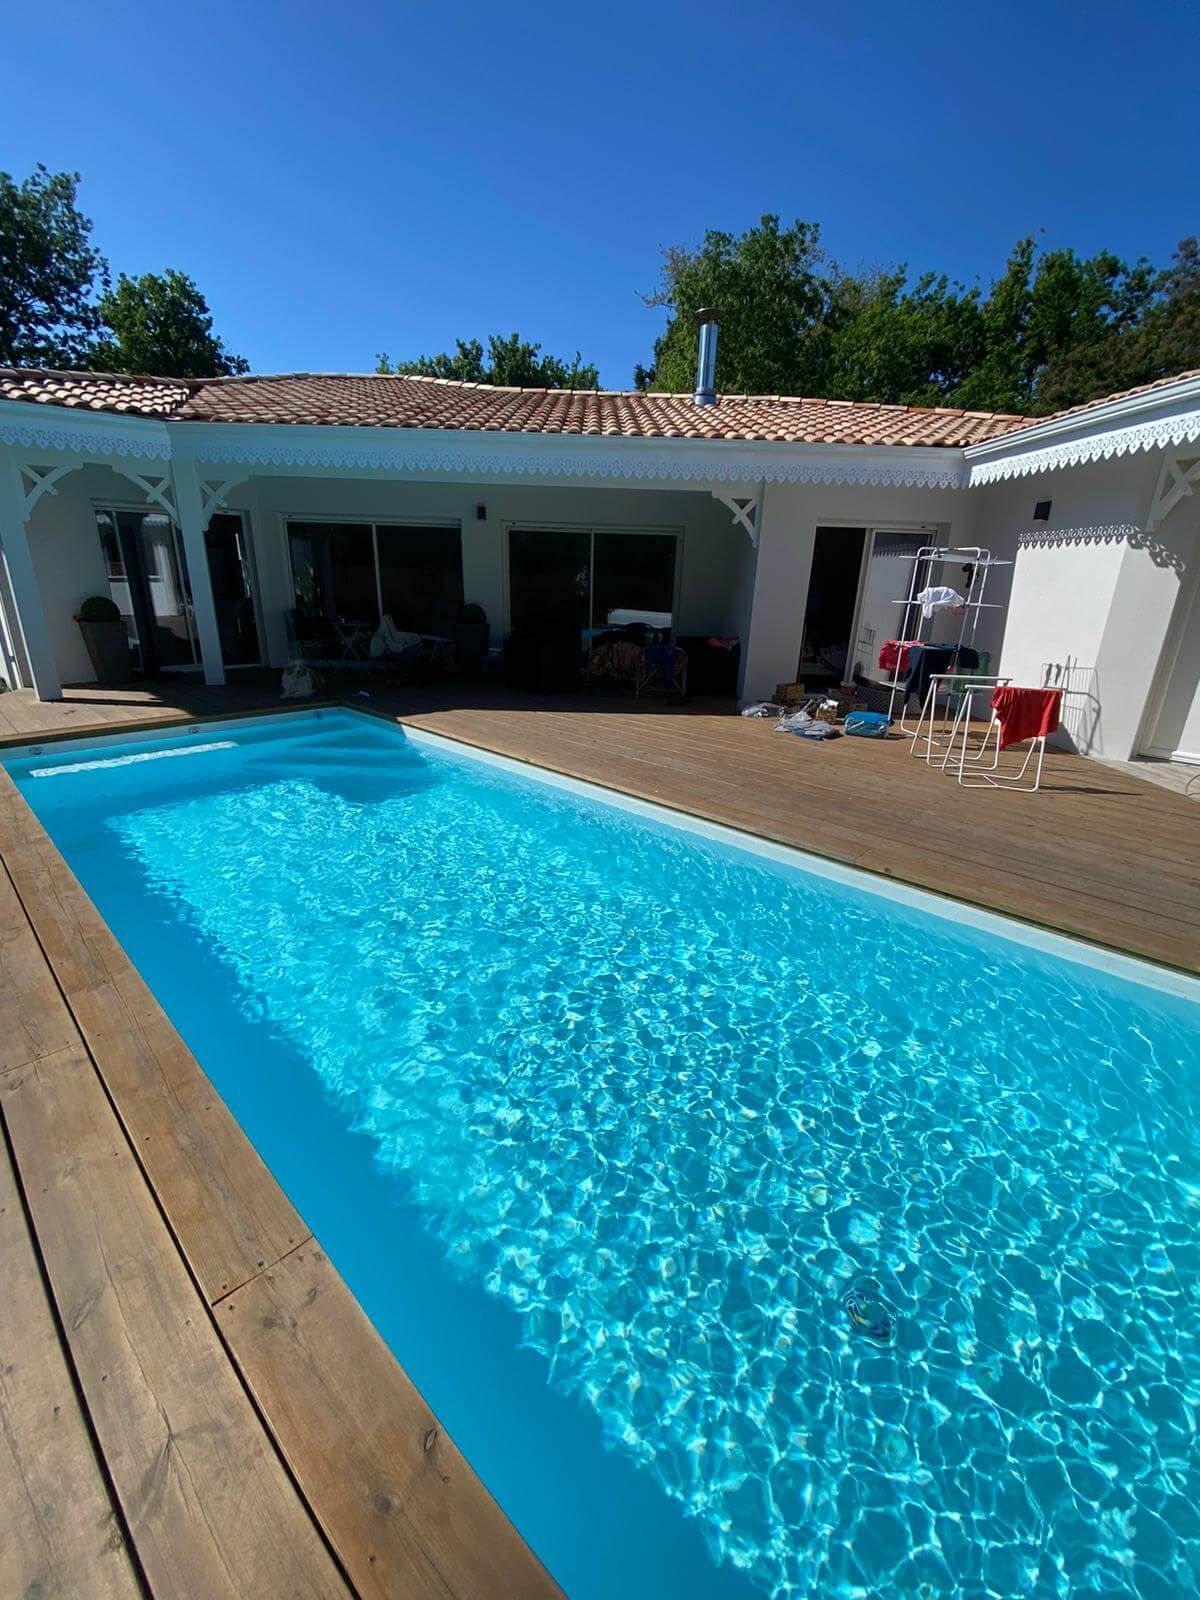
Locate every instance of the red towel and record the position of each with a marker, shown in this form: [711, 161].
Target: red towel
[1026, 713]
[893, 656]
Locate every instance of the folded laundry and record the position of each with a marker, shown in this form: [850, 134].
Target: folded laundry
[1026, 713]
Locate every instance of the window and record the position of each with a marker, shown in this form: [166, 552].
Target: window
[579, 578]
[632, 572]
[333, 569]
[343, 571]
[549, 577]
[420, 577]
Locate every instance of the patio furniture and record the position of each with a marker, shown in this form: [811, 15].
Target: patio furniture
[952, 689]
[439, 650]
[354, 639]
[713, 665]
[663, 667]
[311, 638]
[1019, 715]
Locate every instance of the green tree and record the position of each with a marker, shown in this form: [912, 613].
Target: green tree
[771, 296]
[1167, 340]
[1055, 329]
[906, 346]
[511, 362]
[160, 324]
[49, 270]
[1154, 333]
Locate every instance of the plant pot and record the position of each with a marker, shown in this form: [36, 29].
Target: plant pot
[471, 643]
[108, 649]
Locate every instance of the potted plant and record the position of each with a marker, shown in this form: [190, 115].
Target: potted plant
[471, 636]
[106, 637]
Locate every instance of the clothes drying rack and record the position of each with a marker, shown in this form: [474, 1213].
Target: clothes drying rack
[915, 628]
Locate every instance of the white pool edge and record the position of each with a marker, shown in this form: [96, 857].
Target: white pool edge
[945, 908]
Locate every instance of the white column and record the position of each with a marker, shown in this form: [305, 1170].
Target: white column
[786, 535]
[31, 614]
[192, 523]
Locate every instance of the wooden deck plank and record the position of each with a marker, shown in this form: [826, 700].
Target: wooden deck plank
[412, 1518]
[210, 1509]
[230, 1215]
[60, 1536]
[33, 1020]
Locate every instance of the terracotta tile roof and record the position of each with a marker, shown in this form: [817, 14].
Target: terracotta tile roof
[390, 401]
[378, 401]
[1122, 394]
[407, 402]
[93, 391]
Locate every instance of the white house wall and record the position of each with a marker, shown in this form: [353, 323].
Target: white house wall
[717, 558]
[791, 515]
[1092, 595]
[67, 559]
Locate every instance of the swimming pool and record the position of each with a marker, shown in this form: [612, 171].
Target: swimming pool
[861, 1234]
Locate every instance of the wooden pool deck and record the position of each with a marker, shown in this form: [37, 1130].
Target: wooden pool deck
[192, 1404]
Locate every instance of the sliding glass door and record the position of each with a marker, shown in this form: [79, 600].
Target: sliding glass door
[420, 577]
[590, 579]
[549, 578]
[348, 574]
[148, 580]
[231, 574]
[632, 573]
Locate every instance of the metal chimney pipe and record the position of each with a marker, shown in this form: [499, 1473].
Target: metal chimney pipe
[706, 360]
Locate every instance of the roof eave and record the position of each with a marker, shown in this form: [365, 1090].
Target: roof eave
[499, 454]
[1157, 419]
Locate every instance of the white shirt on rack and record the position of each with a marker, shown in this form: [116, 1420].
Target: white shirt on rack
[937, 599]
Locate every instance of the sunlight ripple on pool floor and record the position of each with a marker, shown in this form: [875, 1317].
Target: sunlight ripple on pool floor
[669, 1106]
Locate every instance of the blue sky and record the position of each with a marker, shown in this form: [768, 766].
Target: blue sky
[347, 179]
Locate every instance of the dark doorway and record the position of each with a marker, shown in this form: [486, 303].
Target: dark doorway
[832, 598]
[232, 590]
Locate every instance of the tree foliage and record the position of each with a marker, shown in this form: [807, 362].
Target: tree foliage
[160, 323]
[57, 306]
[511, 361]
[49, 271]
[1054, 329]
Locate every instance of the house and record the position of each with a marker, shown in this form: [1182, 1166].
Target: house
[213, 511]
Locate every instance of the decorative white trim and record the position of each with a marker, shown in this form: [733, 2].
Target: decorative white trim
[465, 454]
[157, 487]
[1178, 477]
[214, 493]
[1159, 433]
[746, 509]
[473, 455]
[43, 427]
[35, 481]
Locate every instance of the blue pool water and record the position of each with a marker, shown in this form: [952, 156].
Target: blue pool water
[752, 1233]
